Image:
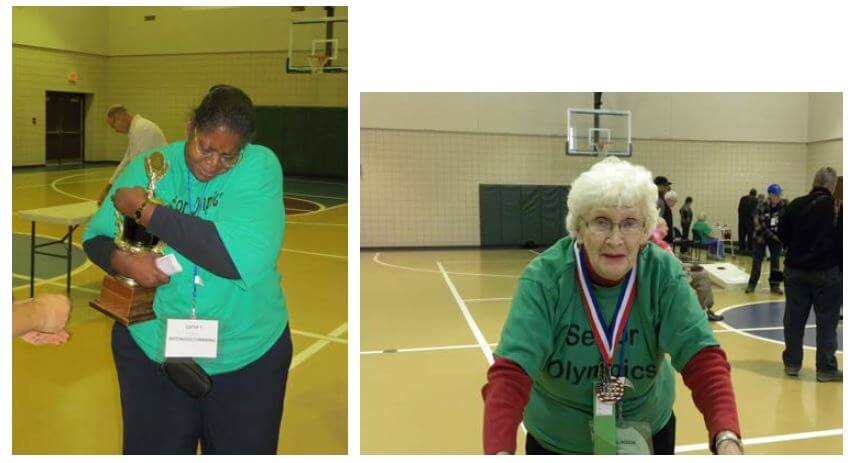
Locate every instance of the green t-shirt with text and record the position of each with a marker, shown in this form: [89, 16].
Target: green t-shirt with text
[246, 206]
[548, 334]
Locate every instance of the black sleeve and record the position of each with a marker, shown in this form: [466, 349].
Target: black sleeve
[197, 239]
[99, 250]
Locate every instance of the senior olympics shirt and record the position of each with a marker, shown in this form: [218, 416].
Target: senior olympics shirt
[246, 205]
[549, 335]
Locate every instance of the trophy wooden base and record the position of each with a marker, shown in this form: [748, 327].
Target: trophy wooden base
[123, 302]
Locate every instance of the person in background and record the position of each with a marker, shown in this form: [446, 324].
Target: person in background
[747, 207]
[810, 231]
[42, 319]
[671, 198]
[143, 135]
[548, 358]
[766, 220]
[703, 235]
[664, 186]
[687, 218]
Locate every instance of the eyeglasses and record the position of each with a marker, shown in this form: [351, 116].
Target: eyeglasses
[604, 226]
[226, 160]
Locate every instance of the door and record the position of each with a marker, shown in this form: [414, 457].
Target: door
[64, 128]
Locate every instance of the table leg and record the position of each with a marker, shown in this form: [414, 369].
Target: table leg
[32, 255]
[69, 261]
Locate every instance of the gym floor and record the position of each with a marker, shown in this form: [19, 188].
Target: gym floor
[65, 398]
[428, 315]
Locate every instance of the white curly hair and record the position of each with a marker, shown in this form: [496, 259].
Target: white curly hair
[612, 182]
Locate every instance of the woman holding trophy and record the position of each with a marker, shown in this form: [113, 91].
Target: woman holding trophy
[209, 365]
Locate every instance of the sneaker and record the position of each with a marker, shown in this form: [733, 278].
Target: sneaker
[777, 291]
[713, 317]
[830, 376]
[791, 371]
[749, 290]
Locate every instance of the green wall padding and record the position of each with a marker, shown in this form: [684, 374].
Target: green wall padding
[513, 215]
[309, 141]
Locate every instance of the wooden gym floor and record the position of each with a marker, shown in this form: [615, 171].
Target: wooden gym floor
[65, 398]
[426, 315]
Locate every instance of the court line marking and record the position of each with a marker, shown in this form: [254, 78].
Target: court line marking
[476, 331]
[425, 349]
[319, 211]
[482, 261]
[39, 281]
[377, 260]
[90, 180]
[759, 328]
[64, 193]
[343, 198]
[317, 346]
[485, 346]
[493, 344]
[768, 439]
[297, 251]
[323, 337]
[759, 338]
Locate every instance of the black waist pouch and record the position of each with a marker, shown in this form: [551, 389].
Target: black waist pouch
[188, 376]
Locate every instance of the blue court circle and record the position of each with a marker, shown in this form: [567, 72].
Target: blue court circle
[766, 320]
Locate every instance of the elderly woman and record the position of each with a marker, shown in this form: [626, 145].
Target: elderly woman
[594, 316]
[222, 216]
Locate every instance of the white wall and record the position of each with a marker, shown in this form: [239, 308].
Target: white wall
[763, 117]
[424, 155]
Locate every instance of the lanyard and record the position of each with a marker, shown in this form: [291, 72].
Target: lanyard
[607, 336]
[200, 207]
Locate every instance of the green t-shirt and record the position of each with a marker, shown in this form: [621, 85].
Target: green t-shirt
[246, 205]
[548, 334]
[702, 230]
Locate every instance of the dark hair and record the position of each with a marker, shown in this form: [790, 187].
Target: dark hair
[689, 199]
[753, 192]
[226, 106]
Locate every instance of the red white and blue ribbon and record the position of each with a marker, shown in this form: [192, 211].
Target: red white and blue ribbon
[606, 336]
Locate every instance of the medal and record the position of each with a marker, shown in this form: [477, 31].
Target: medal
[609, 389]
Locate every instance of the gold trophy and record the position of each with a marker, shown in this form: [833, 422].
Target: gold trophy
[121, 297]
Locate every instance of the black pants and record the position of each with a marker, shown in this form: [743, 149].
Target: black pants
[757, 262]
[240, 415]
[663, 441]
[686, 230]
[823, 291]
[746, 233]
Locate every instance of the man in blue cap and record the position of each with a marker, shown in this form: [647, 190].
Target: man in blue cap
[766, 221]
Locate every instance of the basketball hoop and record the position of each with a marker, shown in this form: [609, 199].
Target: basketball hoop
[601, 146]
[316, 62]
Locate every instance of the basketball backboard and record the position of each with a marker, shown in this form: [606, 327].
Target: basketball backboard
[594, 132]
[317, 44]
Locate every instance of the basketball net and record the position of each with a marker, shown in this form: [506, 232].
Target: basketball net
[601, 146]
[317, 62]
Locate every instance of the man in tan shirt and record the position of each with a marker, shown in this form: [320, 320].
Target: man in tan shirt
[143, 134]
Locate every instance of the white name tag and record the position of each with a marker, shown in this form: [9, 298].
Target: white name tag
[603, 408]
[773, 222]
[191, 338]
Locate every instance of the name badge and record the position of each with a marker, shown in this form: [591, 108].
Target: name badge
[773, 222]
[634, 438]
[191, 338]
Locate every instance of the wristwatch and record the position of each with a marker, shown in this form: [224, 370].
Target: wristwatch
[729, 436]
[140, 209]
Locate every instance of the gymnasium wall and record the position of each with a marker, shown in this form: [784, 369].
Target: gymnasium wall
[160, 69]
[419, 187]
